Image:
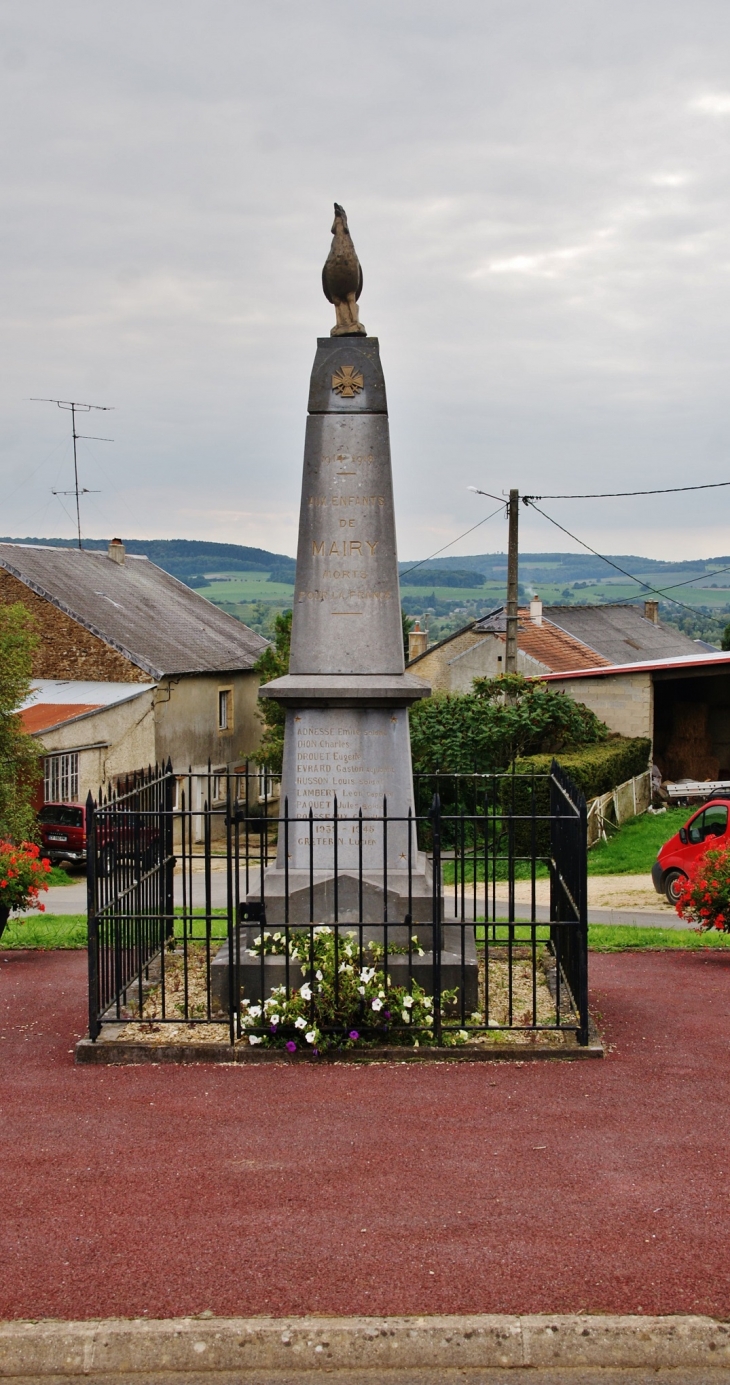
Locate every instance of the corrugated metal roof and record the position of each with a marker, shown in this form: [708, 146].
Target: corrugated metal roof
[687, 662]
[44, 715]
[155, 621]
[622, 634]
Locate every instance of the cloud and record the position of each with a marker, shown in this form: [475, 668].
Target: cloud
[551, 304]
[713, 103]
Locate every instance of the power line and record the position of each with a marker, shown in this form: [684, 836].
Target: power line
[453, 541]
[652, 590]
[617, 495]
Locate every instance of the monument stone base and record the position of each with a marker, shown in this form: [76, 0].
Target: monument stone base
[454, 972]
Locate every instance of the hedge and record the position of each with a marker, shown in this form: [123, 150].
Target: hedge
[595, 769]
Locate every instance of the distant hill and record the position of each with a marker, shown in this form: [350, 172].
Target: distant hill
[564, 567]
[192, 558]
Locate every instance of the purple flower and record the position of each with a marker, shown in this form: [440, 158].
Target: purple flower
[386, 1014]
[354, 1034]
[291, 1046]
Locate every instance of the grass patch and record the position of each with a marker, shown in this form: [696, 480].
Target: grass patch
[58, 876]
[45, 931]
[617, 938]
[632, 849]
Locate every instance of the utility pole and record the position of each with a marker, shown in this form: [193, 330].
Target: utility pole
[512, 575]
[73, 405]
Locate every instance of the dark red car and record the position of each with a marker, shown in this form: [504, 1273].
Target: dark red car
[63, 832]
[677, 857]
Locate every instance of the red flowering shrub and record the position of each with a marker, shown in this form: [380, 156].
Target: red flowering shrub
[23, 874]
[704, 898]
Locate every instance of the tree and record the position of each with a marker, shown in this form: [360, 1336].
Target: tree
[725, 640]
[274, 663]
[502, 718]
[19, 753]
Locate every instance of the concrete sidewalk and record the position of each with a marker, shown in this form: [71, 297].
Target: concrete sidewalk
[414, 1349]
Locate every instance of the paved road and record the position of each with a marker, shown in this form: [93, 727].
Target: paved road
[495, 1187]
[71, 899]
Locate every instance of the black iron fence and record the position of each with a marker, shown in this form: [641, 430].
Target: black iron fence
[465, 921]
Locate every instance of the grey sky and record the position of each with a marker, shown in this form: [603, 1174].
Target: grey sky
[538, 192]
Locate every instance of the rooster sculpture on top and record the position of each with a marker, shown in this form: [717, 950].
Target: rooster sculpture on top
[342, 278]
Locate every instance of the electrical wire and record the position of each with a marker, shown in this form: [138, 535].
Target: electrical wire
[653, 591]
[453, 541]
[617, 495]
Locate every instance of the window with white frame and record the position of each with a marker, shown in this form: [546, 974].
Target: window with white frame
[61, 778]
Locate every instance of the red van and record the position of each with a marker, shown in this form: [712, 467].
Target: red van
[63, 832]
[677, 857]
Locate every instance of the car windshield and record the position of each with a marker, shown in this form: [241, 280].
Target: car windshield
[61, 815]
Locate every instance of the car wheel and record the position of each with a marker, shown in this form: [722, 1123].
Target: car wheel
[673, 881]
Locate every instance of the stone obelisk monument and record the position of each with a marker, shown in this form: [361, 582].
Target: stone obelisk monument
[347, 693]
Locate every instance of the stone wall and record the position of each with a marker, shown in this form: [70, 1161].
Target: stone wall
[625, 701]
[67, 649]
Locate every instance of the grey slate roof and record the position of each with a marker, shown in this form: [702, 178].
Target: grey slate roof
[621, 634]
[155, 621]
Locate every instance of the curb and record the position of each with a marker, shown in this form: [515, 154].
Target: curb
[114, 1051]
[186, 1346]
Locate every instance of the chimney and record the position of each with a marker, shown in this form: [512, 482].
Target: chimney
[651, 611]
[115, 551]
[536, 610]
[417, 641]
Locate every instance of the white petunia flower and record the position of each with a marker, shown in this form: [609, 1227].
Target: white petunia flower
[319, 975]
[428, 1002]
[255, 1039]
[405, 1016]
[255, 1010]
[311, 1036]
[361, 990]
[377, 1004]
[274, 1019]
[408, 1002]
[463, 1034]
[305, 991]
[300, 1022]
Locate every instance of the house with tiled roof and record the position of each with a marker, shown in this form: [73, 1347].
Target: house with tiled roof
[132, 668]
[478, 650]
[640, 677]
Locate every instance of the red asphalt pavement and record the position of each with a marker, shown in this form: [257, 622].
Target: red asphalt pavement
[598, 1186]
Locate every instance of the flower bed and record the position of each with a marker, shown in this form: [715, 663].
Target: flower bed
[23, 874]
[704, 898]
[343, 1005]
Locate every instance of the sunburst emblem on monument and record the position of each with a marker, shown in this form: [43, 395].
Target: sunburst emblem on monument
[347, 382]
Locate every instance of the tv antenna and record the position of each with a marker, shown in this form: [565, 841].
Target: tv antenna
[74, 405]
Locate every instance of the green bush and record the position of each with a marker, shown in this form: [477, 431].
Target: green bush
[594, 769]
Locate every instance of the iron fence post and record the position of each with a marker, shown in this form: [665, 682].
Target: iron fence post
[435, 816]
[92, 921]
